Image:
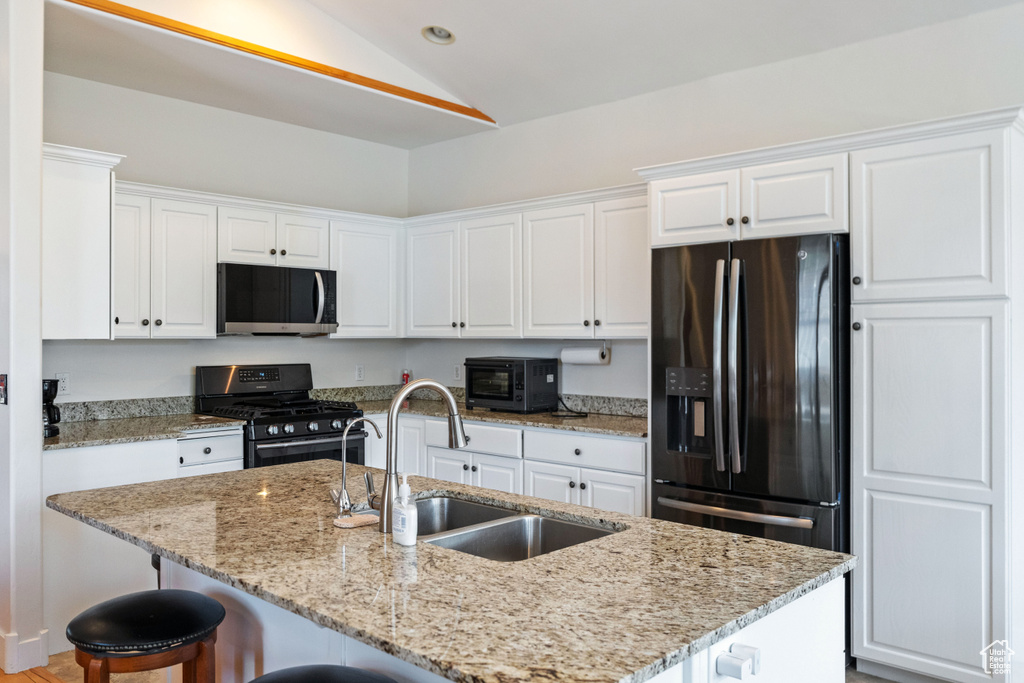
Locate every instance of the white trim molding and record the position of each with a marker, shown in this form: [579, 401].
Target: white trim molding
[997, 118]
[81, 156]
[17, 655]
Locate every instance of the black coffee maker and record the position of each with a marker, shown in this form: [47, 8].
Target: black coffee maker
[51, 413]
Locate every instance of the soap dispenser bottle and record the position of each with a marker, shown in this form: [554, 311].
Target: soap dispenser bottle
[405, 521]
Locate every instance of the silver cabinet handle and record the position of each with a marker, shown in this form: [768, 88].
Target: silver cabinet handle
[760, 518]
[716, 366]
[734, 362]
[320, 296]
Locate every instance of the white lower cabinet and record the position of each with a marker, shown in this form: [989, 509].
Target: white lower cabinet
[376, 449]
[207, 452]
[83, 566]
[411, 449]
[476, 469]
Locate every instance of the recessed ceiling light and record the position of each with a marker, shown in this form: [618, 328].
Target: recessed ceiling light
[438, 34]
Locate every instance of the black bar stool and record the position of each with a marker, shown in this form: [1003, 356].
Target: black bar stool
[145, 631]
[323, 673]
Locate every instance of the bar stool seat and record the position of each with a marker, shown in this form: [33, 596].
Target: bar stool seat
[323, 673]
[145, 631]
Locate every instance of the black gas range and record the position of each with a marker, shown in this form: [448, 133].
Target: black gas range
[284, 424]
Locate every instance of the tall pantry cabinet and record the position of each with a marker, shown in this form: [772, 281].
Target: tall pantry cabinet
[935, 278]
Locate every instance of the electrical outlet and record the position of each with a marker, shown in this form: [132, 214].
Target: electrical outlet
[458, 372]
[63, 382]
[360, 373]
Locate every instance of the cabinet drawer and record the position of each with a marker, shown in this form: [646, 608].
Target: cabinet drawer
[482, 438]
[197, 451]
[585, 451]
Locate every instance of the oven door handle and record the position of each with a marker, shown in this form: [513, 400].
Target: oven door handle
[299, 442]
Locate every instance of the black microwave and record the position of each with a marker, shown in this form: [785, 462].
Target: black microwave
[275, 300]
[515, 385]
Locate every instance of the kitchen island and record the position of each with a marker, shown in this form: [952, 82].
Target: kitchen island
[654, 597]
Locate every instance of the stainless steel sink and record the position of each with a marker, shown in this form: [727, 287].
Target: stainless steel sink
[517, 538]
[443, 514]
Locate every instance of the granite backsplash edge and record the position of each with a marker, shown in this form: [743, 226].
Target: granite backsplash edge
[180, 405]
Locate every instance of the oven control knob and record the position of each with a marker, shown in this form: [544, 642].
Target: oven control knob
[273, 430]
[289, 428]
[313, 426]
[337, 424]
[519, 397]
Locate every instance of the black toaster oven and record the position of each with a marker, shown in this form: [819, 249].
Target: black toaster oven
[515, 385]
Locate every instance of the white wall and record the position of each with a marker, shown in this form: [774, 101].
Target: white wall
[955, 67]
[104, 370]
[182, 144]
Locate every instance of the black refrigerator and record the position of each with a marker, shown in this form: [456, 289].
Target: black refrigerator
[749, 387]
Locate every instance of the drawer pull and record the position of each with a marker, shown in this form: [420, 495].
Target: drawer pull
[207, 450]
[577, 451]
[465, 467]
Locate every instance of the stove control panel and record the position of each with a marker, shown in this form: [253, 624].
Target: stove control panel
[259, 375]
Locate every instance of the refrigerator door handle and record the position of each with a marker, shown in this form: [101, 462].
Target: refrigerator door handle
[734, 361]
[716, 365]
[759, 518]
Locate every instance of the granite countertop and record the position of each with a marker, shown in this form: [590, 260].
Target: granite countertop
[132, 429]
[623, 607]
[594, 423]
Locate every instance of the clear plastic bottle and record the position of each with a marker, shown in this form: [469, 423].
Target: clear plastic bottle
[404, 515]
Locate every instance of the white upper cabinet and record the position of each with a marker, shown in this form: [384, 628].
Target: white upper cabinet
[491, 277]
[698, 208]
[432, 281]
[302, 241]
[799, 197]
[558, 278]
[131, 267]
[365, 258]
[265, 238]
[622, 268]
[929, 219]
[246, 236]
[184, 270]
[76, 243]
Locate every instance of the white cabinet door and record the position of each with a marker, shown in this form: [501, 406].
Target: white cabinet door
[800, 197]
[558, 272]
[449, 464]
[83, 566]
[131, 267]
[302, 241]
[694, 209]
[612, 491]
[553, 482]
[929, 219]
[76, 250]
[432, 281]
[622, 268]
[246, 236]
[184, 270]
[365, 258]
[497, 472]
[376, 449]
[929, 474]
[411, 455]
[491, 276]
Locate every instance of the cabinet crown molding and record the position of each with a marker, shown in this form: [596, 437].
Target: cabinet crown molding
[552, 202]
[81, 156]
[162, 192]
[996, 118]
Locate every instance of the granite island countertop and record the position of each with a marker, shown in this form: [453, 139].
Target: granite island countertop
[623, 607]
[594, 423]
[132, 430]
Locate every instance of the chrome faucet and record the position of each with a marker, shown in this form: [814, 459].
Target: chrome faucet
[344, 502]
[456, 439]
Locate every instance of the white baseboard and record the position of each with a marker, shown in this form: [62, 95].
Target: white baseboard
[891, 673]
[17, 654]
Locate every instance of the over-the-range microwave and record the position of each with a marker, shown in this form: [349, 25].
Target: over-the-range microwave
[515, 385]
[275, 300]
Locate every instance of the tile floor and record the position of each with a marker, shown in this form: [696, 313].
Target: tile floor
[64, 668]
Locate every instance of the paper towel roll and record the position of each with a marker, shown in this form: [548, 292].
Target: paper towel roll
[586, 355]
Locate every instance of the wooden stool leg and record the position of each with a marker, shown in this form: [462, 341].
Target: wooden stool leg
[206, 662]
[188, 671]
[97, 671]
